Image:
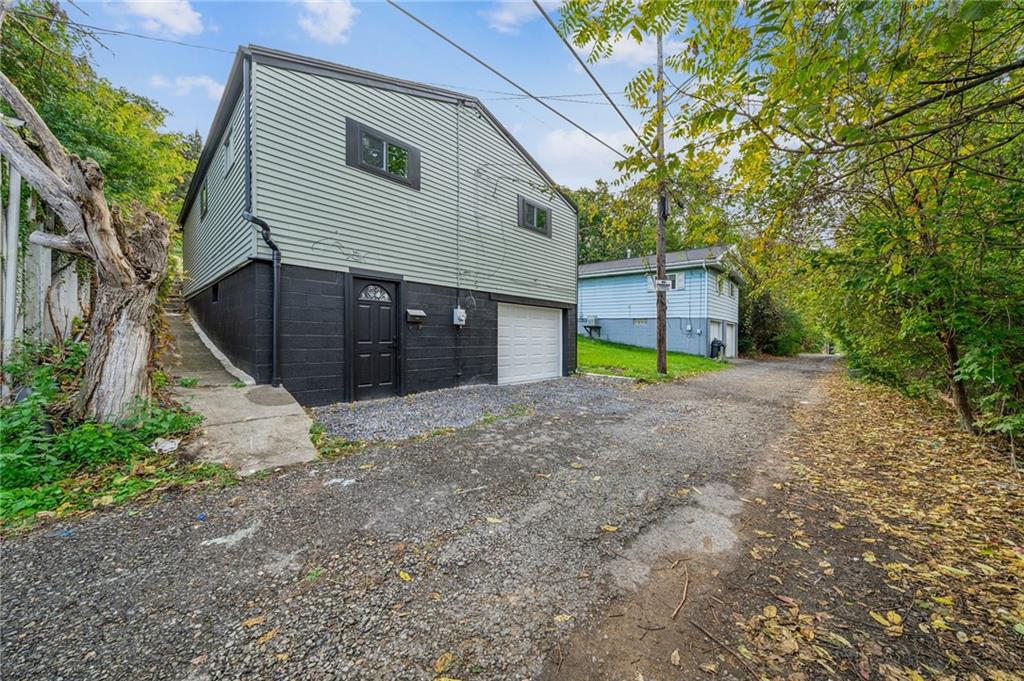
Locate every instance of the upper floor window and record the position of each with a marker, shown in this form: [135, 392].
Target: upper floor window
[227, 153]
[732, 289]
[534, 216]
[381, 154]
[676, 278]
[203, 204]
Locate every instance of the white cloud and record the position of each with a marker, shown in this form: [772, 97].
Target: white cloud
[328, 21]
[184, 85]
[630, 52]
[176, 18]
[507, 16]
[574, 159]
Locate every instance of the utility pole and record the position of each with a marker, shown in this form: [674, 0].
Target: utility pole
[662, 301]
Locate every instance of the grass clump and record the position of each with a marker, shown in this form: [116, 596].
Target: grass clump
[51, 463]
[601, 357]
[331, 446]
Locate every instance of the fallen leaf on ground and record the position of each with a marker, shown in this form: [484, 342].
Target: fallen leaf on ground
[442, 663]
[610, 528]
[253, 621]
[404, 576]
[266, 637]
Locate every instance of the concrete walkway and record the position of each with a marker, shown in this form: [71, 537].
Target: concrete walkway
[246, 427]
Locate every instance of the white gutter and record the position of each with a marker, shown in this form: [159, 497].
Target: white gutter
[686, 265]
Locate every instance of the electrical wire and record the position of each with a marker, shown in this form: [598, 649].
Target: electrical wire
[111, 31]
[508, 80]
[590, 73]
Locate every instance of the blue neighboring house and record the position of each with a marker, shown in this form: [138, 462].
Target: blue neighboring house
[617, 300]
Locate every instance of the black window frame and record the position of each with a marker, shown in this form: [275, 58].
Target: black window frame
[354, 131]
[204, 201]
[523, 202]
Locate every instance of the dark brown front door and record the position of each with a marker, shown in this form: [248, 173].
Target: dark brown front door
[375, 339]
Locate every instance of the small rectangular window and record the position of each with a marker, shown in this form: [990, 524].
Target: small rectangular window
[202, 201]
[227, 154]
[381, 154]
[534, 216]
[215, 293]
[676, 280]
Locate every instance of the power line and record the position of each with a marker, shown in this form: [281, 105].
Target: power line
[111, 31]
[505, 78]
[583, 64]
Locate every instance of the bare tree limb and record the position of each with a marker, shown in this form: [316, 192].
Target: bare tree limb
[59, 242]
[53, 189]
[53, 150]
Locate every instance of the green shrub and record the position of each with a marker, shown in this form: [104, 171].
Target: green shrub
[39, 447]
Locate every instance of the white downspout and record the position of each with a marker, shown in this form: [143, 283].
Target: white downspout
[11, 263]
[707, 322]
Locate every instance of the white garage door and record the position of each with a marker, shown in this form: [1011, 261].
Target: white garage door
[529, 343]
[730, 340]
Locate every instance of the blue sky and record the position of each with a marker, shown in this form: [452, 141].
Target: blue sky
[509, 34]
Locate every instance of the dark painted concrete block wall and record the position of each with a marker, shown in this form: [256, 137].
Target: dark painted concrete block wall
[568, 341]
[312, 340]
[440, 355]
[228, 317]
[436, 353]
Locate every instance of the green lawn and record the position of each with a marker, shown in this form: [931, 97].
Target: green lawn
[599, 357]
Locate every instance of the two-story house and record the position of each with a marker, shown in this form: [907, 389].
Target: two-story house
[617, 300]
[356, 236]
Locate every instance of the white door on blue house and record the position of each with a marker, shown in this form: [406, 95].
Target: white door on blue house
[716, 332]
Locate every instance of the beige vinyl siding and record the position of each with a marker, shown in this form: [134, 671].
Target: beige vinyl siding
[222, 241]
[460, 229]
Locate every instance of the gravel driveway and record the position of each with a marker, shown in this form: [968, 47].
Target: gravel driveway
[486, 544]
[397, 418]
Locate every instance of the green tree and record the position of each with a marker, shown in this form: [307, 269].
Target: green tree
[878, 146]
[86, 147]
[49, 62]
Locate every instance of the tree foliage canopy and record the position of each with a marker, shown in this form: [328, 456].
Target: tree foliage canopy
[49, 62]
[877, 149]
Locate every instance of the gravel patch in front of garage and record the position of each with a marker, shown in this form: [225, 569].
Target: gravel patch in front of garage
[398, 418]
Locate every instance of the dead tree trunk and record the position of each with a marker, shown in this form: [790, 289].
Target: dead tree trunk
[130, 258]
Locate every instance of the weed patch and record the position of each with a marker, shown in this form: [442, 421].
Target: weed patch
[51, 464]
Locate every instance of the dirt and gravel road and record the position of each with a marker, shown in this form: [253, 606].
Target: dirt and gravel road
[492, 553]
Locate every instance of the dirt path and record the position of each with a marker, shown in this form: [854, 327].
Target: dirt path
[493, 553]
